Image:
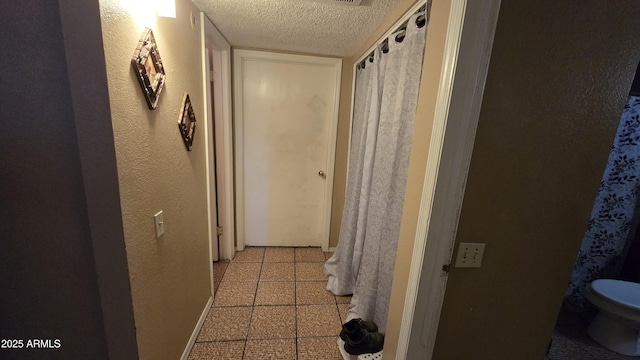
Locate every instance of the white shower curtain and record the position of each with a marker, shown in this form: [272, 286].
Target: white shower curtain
[385, 102]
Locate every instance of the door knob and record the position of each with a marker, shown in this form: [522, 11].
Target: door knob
[322, 174]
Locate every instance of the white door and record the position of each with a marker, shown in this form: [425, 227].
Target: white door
[286, 114]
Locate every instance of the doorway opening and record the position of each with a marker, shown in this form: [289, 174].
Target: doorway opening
[611, 244]
[286, 112]
[219, 133]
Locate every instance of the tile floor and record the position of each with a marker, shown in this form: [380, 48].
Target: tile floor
[571, 341]
[271, 303]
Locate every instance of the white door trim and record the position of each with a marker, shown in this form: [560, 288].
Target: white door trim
[239, 57]
[466, 60]
[211, 35]
[212, 215]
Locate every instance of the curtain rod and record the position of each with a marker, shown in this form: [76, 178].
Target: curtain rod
[400, 25]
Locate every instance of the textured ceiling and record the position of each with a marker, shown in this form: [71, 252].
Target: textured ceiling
[297, 25]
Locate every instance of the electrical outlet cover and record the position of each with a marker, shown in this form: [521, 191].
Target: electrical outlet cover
[470, 255]
[159, 221]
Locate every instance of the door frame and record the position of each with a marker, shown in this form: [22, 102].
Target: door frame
[209, 129]
[210, 36]
[468, 46]
[239, 57]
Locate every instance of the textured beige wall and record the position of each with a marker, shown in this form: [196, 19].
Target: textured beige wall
[342, 150]
[557, 82]
[170, 282]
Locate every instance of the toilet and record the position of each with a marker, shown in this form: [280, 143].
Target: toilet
[617, 325]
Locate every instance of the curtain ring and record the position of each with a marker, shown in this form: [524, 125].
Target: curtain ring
[421, 20]
[385, 46]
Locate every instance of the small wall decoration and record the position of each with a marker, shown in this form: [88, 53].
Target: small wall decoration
[148, 66]
[187, 122]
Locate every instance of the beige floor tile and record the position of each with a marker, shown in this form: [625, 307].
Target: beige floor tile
[277, 272]
[239, 271]
[318, 320]
[276, 349]
[273, 322]
[313, 292]
[276, 254]
[309, 271]
[276, 293]
[318, 348]
[343, 299]
[343, 309]
[222, 350]
[274, 328]
[236, 293]
[328, 255]
[228, 323]
[250, 254]
[309, 254]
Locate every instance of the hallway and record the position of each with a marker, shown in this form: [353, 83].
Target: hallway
[272, 303]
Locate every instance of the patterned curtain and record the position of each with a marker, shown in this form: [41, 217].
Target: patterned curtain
[386, 97]
[604, 241]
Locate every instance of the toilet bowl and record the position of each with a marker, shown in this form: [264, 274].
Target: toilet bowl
[617, 325]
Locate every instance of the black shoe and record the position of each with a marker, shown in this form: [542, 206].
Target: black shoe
[354, 324]
[364, 342]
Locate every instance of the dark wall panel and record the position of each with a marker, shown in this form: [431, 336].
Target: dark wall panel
[48, 285]
[558, 79]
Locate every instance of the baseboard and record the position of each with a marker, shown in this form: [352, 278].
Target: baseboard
[196, 331]
[332, 249]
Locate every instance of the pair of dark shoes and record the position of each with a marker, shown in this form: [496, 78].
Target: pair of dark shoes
[361, 337]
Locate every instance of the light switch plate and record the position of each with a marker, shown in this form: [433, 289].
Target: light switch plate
[470, 255]
[159, 224]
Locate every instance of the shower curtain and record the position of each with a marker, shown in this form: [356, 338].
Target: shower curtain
[604, 240]
[385, 100]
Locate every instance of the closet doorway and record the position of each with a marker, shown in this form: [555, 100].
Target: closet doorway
[217, 126]
[286, 118]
